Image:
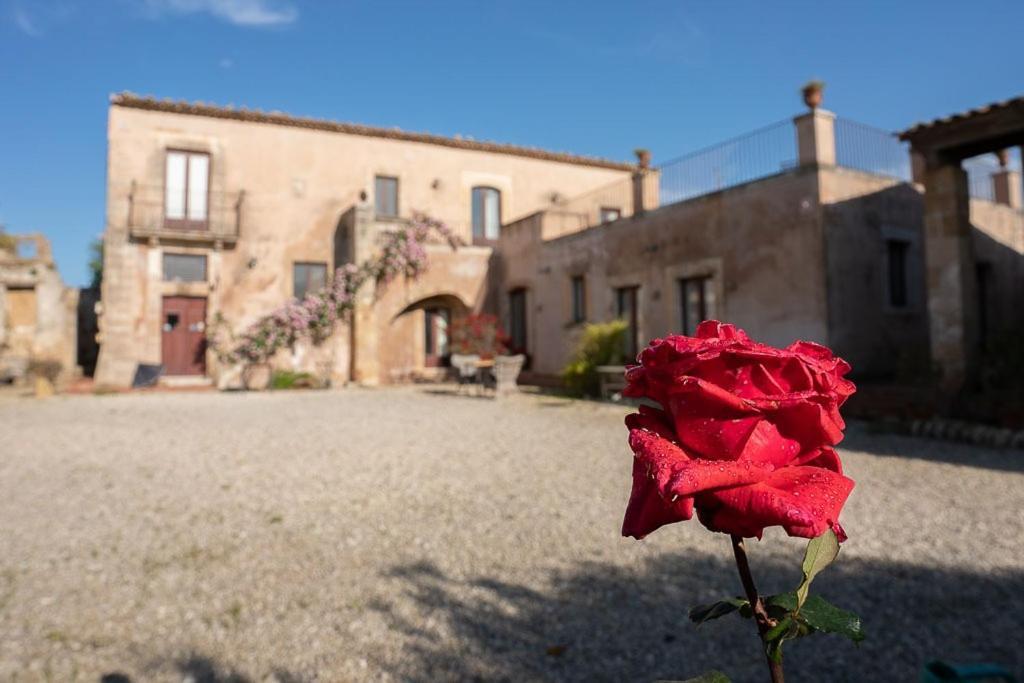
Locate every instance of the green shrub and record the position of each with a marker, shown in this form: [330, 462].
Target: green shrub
[286, 379]
[601, 344]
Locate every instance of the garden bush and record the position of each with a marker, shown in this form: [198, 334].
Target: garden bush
[601, 344]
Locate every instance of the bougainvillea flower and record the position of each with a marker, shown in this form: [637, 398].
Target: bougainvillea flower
[743, 435]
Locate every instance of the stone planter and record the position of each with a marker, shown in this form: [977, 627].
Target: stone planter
[813, 94]
[256, 376]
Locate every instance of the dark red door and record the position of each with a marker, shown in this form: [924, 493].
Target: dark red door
[184, 335]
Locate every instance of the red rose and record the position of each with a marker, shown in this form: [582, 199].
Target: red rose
[744, 434]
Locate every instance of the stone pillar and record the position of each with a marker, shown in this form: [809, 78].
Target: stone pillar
[949, 260]
[364, 326]
[917, 167]
[1006, 188]
[3, 314]
[816, 138]
[643, 170]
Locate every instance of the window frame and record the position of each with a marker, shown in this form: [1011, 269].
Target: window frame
[578, 304]
[295, 267]
[377, 196]
[905, 304]
[187, 223]
[706, 281]
[609, 209]
[483, 238]
[163, 266]
[632, 340]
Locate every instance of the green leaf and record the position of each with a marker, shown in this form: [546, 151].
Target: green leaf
[822, 615]
[821, 551]
[703, 613]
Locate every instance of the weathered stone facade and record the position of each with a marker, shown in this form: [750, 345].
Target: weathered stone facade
[801, 254]
[38, 314]
[809, 250]
[283, 191]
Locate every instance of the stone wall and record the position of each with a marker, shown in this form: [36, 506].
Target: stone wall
[38, 314]
[762, 244]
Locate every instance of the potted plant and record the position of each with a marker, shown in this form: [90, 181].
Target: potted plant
[478, 334]
[813, 92]
[643, 157]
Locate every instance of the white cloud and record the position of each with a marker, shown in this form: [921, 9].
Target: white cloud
[226, 63]
[239, 12]
[25, 23]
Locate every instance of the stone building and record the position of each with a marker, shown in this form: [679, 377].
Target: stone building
[815, 227]
[217, 210]
[37, 312]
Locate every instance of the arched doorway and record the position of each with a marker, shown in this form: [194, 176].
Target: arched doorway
[417, 341]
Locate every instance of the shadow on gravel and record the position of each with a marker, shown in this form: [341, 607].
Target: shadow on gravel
[871, 439]
[197, 668]
[605, 623]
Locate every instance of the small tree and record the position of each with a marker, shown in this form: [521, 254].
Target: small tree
[96, 263]
[601, 344]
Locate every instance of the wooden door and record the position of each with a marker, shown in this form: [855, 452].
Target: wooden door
[183, 338]
[517, 321]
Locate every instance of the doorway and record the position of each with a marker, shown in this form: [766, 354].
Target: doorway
[183, 337]
[435, 339]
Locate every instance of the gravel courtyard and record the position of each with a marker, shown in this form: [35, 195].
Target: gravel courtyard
[402, 534]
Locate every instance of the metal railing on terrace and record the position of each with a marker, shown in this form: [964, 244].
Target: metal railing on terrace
[871, 150]
[759, 154]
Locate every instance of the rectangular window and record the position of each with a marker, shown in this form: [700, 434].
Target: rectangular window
[517, 320]
[696, 303]
[610, 213]
[308, 278]
[579, 299]
[385, 193]
[896, 261]
[626, 309]
[486, 213]
[186, 188]
[184, 267]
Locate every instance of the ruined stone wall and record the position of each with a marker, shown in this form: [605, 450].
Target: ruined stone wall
[38, 319]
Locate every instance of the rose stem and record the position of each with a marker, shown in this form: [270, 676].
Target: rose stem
[760, 614]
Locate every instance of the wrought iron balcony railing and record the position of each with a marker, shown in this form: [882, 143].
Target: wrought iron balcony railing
[220, 222]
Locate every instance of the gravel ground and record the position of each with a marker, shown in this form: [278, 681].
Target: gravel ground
[402, 534]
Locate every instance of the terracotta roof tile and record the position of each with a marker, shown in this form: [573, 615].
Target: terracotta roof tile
[127, 99]
[977, 111]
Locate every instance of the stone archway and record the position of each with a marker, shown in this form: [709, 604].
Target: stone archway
[414, 343]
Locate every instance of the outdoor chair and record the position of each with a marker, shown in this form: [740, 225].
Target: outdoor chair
[465, 368]
[506, 372]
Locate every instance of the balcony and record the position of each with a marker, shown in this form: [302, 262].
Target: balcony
[147, 219]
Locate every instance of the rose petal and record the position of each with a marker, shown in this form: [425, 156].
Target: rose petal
[805, 501]
[647, 510]
[661, 458]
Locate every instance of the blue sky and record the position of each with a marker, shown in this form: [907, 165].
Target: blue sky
[592, 77]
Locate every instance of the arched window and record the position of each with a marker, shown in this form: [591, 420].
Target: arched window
[486, 213]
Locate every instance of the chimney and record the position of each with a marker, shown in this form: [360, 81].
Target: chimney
[643, 168]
